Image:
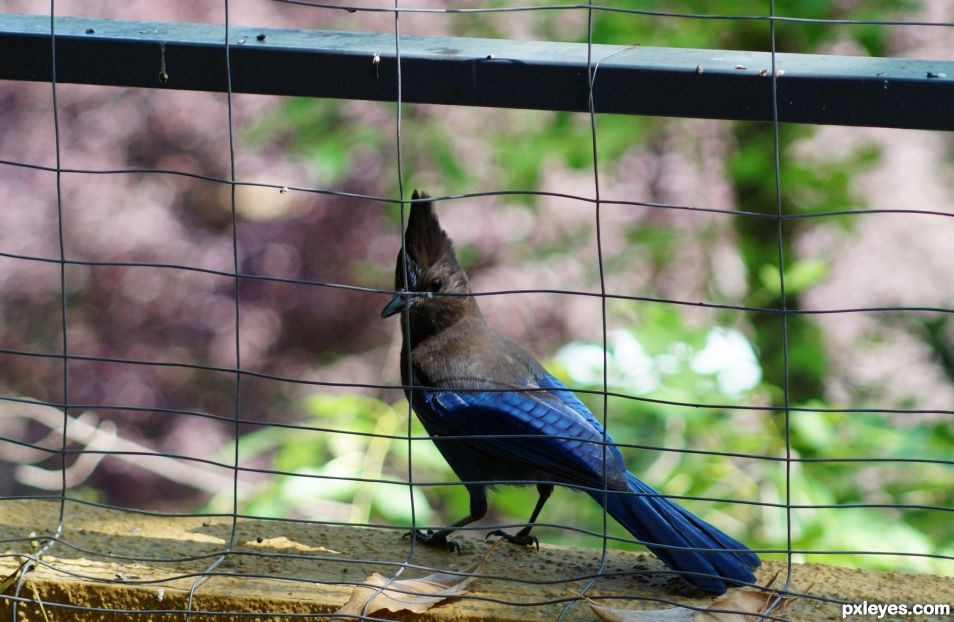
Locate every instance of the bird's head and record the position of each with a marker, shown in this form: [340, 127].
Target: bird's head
[431, 285]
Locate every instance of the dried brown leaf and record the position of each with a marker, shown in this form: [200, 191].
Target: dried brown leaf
[743, 601]
[612, 614]
[415, 595]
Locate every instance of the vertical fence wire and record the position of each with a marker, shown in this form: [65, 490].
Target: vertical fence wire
[591, 69]
[779, 231]
[404, 318]
[236, 302]
[780, 247]
[36, 555]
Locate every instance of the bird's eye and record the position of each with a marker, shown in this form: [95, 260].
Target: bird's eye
[436, 286]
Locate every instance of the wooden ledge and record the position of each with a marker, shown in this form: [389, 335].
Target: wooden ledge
[318, 565]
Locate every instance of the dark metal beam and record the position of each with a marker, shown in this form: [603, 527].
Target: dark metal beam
[720, 84]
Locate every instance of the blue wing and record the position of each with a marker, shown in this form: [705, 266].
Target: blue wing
[539, 435]
[559, 390]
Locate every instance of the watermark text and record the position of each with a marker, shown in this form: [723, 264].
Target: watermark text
[880, 610]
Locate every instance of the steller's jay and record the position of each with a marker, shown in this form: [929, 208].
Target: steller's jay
[471, 382]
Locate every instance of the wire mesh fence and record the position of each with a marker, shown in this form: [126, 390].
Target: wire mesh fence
[190, 316]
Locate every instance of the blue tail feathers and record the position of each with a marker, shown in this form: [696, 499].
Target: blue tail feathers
[655, 519]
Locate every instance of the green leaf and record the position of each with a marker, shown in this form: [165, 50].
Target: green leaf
[799, 276]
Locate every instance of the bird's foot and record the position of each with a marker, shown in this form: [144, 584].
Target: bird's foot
[436, 539]
[520, 538]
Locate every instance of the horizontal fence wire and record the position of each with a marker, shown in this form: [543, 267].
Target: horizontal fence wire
[449, 197]
[921, 81]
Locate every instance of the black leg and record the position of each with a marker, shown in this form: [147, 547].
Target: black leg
[478, 509]
[523, 536]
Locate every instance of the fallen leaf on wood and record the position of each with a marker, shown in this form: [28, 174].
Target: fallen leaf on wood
[415, 595]
[741, 600]
[738, 605]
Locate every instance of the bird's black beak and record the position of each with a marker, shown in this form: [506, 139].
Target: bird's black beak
[397, 304]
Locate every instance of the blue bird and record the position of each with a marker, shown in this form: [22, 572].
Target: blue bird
[497, 416]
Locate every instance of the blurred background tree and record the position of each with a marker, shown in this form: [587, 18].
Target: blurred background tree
[846, 372]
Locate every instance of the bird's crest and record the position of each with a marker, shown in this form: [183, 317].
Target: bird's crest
[425, 241]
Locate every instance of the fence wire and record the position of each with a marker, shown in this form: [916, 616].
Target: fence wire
[213, 562]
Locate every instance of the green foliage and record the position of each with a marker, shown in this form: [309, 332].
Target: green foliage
[801, 274]
[332, 466]
[821, 438]
[318, 130]
[328, 466]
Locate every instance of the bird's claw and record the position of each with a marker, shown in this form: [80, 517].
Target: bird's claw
[519, 538]
[435, 539]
